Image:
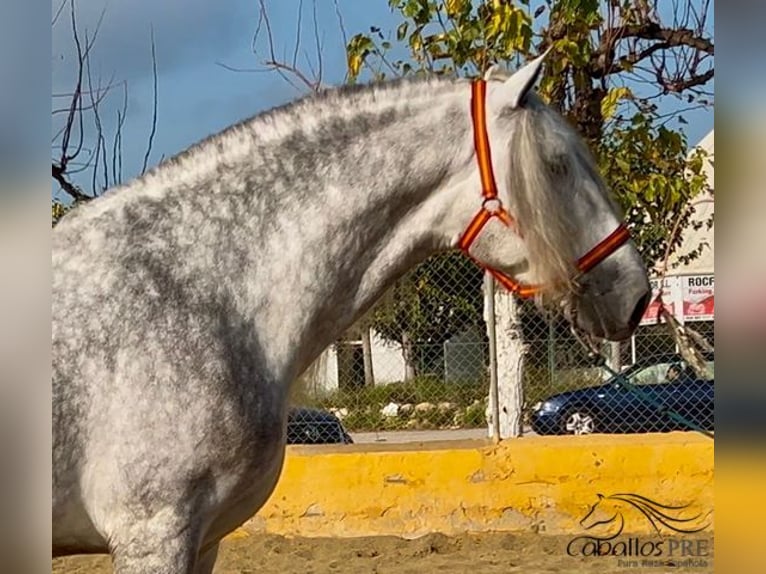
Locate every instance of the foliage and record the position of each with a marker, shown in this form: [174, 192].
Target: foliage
[58, 210]
[654, 181]
[456, 405]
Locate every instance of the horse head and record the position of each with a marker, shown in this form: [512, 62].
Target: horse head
[558, 228]
[604, 512]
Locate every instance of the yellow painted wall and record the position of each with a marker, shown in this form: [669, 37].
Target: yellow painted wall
[544, 484]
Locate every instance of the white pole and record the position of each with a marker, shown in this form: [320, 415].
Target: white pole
[494, 398]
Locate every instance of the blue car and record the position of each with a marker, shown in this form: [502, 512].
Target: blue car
[612, 408]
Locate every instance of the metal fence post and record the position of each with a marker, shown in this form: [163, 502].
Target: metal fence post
[489, 294]
[551, 351]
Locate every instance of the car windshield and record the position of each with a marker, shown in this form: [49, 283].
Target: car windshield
[666, 372]
[653, 374]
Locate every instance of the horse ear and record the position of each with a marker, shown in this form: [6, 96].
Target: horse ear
[515, 88]
[600, 496]
[491, 71]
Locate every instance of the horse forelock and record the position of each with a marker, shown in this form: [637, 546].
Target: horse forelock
[549, 164]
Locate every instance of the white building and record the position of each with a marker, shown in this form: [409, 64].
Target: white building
[463, 359]
[345, 362]
[704, 208]
[689, 288]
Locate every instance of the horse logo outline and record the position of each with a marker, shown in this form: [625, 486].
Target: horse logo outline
[655, 512]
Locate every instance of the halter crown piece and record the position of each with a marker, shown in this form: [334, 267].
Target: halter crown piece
[492, 206]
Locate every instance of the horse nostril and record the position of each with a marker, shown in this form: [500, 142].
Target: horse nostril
[640, 309]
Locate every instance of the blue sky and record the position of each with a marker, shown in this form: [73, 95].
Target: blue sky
[197, 96]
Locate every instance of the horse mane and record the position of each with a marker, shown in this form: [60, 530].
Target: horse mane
[543, 164]
[309, 109]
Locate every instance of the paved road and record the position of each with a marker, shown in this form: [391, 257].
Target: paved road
[396, 437]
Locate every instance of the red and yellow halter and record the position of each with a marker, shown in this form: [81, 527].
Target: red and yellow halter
[492, 206]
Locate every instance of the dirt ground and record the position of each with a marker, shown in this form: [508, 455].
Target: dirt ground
[435, 553]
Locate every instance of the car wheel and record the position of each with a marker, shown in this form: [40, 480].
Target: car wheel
[578, 421]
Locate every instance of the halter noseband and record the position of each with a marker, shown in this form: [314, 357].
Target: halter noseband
[492, 206]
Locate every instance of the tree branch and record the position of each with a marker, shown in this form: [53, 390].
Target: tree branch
[154, 106]
[678, 86]
[59, 174]
[289, 72]
[671, 36]
[72, 131]
[602, 61]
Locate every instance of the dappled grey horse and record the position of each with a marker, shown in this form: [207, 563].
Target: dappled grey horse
[186, 302]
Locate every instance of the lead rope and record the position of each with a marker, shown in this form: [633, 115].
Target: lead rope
[598, 360]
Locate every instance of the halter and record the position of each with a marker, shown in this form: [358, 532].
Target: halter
[492, 206]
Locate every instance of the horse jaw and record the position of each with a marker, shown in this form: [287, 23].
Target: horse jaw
[615, 297]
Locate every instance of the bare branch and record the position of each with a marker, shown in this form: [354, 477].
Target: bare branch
[678, 86]
[117, 144]
[58, 12]
[71, 155]
[74, 121]
[281, 68]
[154, 105]
[289, 72]
[318, 47]
[241, 70]
[68, 95]
[60, 176]
[100, 96]
[602, 62]
[100, 151]
[341, 24]
[298, 34]
[74, 112]
[342, 28]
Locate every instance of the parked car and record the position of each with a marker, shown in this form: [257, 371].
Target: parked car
[314, 426]
[612, 408]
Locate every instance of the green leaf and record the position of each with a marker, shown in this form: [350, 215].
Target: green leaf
[612, 99]
[622, 164]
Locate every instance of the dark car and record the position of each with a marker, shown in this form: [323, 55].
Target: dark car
[613, 408]
[314, 426]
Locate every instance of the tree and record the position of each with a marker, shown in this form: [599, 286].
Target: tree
[435, 301]
[80, 143]
[611, 63]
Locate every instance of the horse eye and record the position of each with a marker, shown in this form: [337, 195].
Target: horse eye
[558, 167]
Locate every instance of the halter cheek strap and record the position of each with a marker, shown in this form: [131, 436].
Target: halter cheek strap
[492, 206]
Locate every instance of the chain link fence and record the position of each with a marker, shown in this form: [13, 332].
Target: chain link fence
[420, 361]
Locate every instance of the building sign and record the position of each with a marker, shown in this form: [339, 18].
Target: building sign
[670, 299]
[698, 297]
[687, 298]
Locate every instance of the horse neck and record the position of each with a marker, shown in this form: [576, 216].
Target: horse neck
[345, 207]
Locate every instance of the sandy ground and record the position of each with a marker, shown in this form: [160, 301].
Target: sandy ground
[493, 553]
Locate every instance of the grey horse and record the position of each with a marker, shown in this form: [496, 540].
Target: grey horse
[186, 302]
